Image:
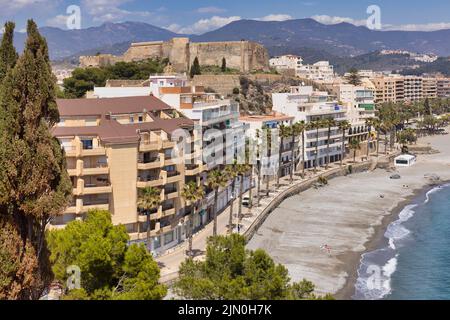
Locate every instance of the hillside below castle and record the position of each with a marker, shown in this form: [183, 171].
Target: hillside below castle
[245, 56]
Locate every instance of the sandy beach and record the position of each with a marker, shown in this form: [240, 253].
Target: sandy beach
[350, 216]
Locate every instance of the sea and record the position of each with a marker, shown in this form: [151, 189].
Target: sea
[413, 261]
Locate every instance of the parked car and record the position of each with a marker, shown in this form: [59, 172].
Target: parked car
[246, 201]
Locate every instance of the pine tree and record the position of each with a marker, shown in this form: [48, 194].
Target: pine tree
[195, 68]
[34, 185]
[353, 77]
[224, 65]
[8, 54]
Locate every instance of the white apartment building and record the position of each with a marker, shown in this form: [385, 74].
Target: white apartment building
[320, 71]
[286, 62]
[273, 121]
[305, 104]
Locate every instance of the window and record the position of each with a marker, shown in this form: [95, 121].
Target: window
[168, 237]
[131, 119]
[156, 242]
[141, 119]
[87, 144]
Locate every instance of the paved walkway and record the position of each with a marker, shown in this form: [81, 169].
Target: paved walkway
[170, 262]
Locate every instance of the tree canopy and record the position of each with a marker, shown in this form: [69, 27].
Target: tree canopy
[8, 54]
[110, 269]
[34, 184]
[231, 272]
[85, 79]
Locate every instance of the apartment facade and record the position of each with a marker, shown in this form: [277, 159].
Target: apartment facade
[321, 71]
[114, 148]
[305, 104]
[286, 62]
[216, 119]
[273, 121]
[443, 87]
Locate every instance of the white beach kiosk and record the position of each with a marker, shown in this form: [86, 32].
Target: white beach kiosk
[405, 160]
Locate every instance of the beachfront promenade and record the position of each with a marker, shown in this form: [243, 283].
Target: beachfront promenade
[253, 218]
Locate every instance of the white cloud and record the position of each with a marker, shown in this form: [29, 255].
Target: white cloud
[210, 10]
[9, 7]
[59, 21]
[325, 19]
[110, 11]
[275, 17]
[419, 27]
[204, 25]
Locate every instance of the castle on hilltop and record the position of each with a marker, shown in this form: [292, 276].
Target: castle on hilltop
[245, 56]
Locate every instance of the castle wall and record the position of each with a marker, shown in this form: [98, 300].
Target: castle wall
[242, 55]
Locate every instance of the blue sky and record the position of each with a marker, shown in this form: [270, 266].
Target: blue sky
[199, 16]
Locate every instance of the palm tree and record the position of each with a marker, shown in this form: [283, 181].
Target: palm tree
[355, 146]
[241, 170]
[268, 134]
[344, 126]
[231, 174]
[149, 198]
[192, 194]
[329, 123]
[302, 127]
[216, 179]
[295, 131]
[369, 123]
[377, 126]
[258, 167]
[284, 132]
[385, 126]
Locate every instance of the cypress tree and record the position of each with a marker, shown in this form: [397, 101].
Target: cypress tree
[224, 65]
[34, 184]
[8, 54]
[195, 68]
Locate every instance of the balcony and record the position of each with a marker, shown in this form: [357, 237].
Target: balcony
[94, 151]
[92, 188]
[71, 151]
[173, 176]
[101, 168]
[151, 163]
[150, 146]
[168, 211]
[150, 181]
[166, 144]
[170, 193]
[192, 170]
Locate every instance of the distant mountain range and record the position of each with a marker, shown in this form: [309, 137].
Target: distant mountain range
[339, 43]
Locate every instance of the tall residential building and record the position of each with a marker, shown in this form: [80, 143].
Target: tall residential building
[217, 120]
[386, 89]
[443, 87]
[413, 86]
[117, 146]
[320, 71]
[429, 88]
[305, 104]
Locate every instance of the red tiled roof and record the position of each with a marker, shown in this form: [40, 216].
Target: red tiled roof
[109, 130]
[103, 106]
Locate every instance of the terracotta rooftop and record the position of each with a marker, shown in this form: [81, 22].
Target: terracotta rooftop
[111, 131]
[103, 106]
